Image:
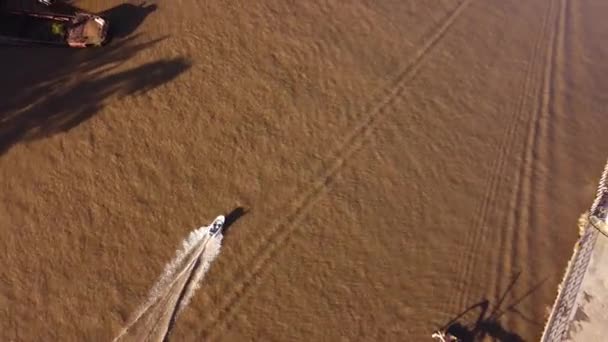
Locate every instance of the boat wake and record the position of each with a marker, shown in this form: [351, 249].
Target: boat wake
[154, 320]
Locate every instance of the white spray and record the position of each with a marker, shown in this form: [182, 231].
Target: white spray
[176, 286]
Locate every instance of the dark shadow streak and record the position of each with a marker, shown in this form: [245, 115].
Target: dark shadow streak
[69, 107]
[125, 18]
[232, 217]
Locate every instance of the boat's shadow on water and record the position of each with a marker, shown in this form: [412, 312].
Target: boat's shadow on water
[232, 217]
[127, 17]
[487, 324]
[45, 90]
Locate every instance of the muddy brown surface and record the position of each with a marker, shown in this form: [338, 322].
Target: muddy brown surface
[399, 162]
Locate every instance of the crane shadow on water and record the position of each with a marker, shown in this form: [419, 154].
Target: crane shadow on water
[489, 325]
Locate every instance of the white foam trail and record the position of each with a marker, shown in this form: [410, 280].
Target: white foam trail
[180, 279]
[211, 251]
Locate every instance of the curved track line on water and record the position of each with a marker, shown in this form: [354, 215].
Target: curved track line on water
[497, 171]
[544, 130]
[520, 204]
[531, 186]
[486, 207]
[279, 235]
[504, 257]
[535, 143]
[522, 200]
